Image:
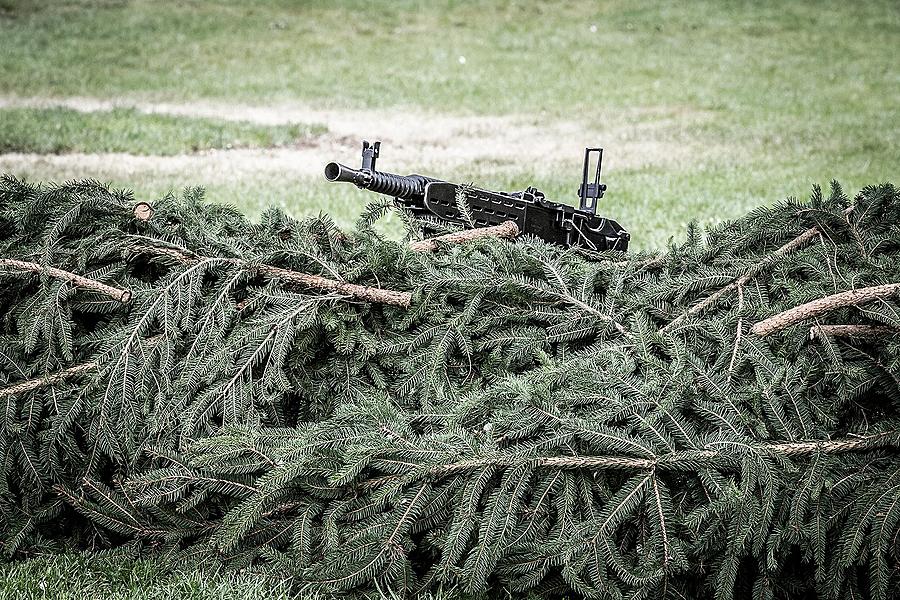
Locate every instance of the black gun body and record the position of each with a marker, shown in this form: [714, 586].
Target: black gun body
[550, 221]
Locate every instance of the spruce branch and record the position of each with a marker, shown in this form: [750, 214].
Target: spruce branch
[822, 306]
[121, 295]
[738, 332]
[794, 244]
[507, 230]
[568, 298]
[28, 385]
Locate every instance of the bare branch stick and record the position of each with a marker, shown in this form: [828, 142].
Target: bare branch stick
[121, 295]
[819, 331]
[822, 306]
[507, 230]
[739, 331]
[39, 382]
[678, 460]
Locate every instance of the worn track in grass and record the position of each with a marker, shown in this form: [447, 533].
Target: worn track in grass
[413, 140]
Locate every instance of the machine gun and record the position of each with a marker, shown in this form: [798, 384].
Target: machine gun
[529, 209]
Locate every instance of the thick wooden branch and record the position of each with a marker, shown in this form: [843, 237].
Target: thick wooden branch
[77, 280]
[822, 306]
[507, 230]
[851, 331]
[353, 290]
[361, 292]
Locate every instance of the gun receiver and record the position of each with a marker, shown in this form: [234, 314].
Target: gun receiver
[529, 209]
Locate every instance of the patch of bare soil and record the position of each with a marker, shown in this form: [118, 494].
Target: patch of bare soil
[411, 141]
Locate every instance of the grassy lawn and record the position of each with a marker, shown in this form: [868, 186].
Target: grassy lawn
[60, 130]
[117, 576]
[706, 110]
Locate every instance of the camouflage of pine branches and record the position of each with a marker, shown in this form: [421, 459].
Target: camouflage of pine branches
[473, 415]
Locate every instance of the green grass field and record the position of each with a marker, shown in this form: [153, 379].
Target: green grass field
[61, 130]
[118, 576]
[705, 109]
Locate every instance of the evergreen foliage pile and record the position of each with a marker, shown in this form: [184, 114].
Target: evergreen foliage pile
[490, 415]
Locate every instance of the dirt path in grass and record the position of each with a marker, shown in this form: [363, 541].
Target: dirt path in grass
[411, 141]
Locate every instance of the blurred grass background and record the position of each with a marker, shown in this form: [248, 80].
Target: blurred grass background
[706, 109]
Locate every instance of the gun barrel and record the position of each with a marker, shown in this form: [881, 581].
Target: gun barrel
[337, 172]
[389, 184]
